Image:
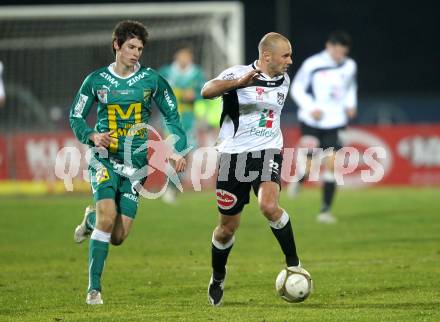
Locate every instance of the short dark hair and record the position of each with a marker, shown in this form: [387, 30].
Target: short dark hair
[339, 37]
[128, 29]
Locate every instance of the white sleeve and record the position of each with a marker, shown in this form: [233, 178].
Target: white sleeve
[233, 72]
[298, 91]
[351, 97]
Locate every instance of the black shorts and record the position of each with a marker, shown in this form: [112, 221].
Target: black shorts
[327, 138]
[237, 173]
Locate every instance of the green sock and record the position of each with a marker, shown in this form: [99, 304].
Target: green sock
[91, 220]
[98, 251]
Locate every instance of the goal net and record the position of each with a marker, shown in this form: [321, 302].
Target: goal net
[48, 50]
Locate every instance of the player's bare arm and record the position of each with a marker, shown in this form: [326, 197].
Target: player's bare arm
[217, 87]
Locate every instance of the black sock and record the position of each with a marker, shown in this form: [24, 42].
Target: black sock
[328, 192]
[219, 259]
[287, 242]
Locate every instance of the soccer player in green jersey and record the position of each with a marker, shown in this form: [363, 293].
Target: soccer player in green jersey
[124, 92]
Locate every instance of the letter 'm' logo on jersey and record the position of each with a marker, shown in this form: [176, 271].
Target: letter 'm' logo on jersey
[225, 199]
[260, 93]
[280, 98]
[266, 119]
[102, 95]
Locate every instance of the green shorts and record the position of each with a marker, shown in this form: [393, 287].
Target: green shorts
[106, 183]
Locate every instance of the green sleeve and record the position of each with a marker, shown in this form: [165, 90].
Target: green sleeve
[80, 109]
[167, 104]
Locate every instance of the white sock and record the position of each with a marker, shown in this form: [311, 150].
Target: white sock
[219, 245]
[281, 222]
[100, 235]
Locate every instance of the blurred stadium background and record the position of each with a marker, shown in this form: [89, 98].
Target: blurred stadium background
[47, 47]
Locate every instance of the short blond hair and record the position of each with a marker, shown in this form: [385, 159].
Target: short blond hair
[269, 41]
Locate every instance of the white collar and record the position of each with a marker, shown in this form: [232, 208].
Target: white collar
[111, 69]
[267, 77]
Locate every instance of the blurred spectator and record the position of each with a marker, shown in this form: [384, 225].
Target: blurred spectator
[326, 93]
[186, 78]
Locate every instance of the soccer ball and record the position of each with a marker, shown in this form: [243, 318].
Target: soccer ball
[294, 284]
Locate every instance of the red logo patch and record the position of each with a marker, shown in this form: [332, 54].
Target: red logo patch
[225, 199]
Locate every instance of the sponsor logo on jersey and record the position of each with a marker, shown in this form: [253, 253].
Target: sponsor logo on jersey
[117, 92]
[260, 93]
[102, 175]
[102, 95]
[225, 199]
[169, 100]
[136, 78]
[147, 94]
[280, 98]
[110, 79]
[79, 107]
[229, 76]
[262, 132]
[266, 119]
[130, 196]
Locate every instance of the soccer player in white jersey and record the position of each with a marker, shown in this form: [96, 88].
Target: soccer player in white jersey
[325, 91]
[250, 142]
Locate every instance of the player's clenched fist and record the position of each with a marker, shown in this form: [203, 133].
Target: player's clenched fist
[103, 139]
[248, 78]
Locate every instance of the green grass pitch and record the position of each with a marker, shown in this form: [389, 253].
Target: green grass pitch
[380, 262]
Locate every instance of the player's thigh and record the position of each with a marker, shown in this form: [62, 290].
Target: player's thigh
[331, 143]
[330, 139]
[310, 138]
[232, 193]
[127, 198]
[103, 180]
[269, 167]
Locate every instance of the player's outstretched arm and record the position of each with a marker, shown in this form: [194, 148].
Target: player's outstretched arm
[217, 87]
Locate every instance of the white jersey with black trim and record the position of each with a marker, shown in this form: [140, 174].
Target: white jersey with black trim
[323, 84]
[250, 119]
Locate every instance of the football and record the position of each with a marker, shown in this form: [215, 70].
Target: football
[294, 284]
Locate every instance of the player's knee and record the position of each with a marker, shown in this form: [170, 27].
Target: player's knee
[105, 217]
[269, 208]
[226, 232]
